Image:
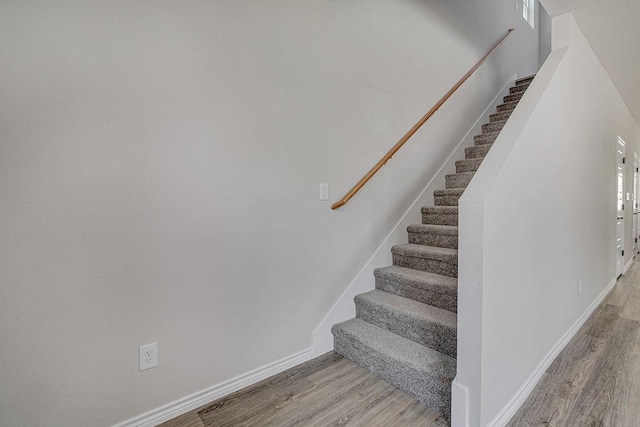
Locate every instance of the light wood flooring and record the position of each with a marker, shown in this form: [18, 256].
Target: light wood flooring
[595, 381]
[326, 391]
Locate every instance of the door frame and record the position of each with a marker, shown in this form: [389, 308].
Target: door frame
[620, 205]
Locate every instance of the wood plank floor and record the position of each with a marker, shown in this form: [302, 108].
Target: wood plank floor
[595, 381]
[326, 391]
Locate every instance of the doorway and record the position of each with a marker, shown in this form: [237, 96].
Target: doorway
[634, 204]
[620, 162]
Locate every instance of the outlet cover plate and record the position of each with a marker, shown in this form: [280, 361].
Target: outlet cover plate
[148, 356]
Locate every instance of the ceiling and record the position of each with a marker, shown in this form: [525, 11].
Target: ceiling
[612, 29]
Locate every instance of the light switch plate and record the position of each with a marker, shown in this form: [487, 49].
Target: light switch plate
[324, 191]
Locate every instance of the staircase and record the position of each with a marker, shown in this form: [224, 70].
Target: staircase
[405, 330]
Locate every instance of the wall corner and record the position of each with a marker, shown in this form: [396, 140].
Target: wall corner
[561, 27]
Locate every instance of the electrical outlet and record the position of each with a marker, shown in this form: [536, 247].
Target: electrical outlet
[148, 356]
[580, 287]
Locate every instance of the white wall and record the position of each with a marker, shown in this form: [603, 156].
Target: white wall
[159, 171]
[538, 217]
[544, 25]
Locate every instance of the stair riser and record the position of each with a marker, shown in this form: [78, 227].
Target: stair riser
[487, 138]
[433, 392]
[446, 200]
[498, 117]
[446, 268]
[430, 334]
[468, 166]
[506, 107]
[477, 152]
[439, 219]
[493, 127]
[518, 89]
[513, 97]
[437, 296]
[525, 81]
[458, 180]
[434, 239]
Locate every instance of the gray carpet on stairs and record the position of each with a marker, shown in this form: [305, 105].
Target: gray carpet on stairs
[405, 331]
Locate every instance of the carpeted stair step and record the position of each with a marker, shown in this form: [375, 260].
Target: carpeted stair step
[430, 326]
[442, 236]
[447, 197]
[426, 258]
[430, 288]
[513, 97]
[519, 88]
[477, 152]
[470, 165]
[486, 138]
[440, 215]
[498, 117]
[458, 180]
[525, 80]
[418, 370]
[509, 106]
[493, 127]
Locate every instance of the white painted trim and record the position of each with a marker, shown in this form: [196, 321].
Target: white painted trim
[459, 404]
[509, 410]
[208, 395]
[628, 266]
[324, 326]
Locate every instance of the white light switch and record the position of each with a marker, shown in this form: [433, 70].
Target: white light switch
[324, 191]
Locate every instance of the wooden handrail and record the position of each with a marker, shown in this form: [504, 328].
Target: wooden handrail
[415, 128]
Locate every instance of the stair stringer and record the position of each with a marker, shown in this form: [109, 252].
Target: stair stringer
[344, 309]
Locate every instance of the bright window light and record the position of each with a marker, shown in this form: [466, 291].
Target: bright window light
[528, 11]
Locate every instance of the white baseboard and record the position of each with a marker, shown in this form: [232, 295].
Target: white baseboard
[344, 308]
[627, 267]
[509, 410]
[208, 395]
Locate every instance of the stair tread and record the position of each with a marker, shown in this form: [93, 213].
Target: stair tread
[524, 80]
[450, 210]
[467, 162]
[513, 96]
[486, 138]
[497, 117]
[417, 277]
[422, 251]
[518, 88]
[401, 350]
[468, 165]
[461, 173]
[407, 307]
[449, 191]
[493, 133]
[427, 287]
[440, 229]
[508, 106]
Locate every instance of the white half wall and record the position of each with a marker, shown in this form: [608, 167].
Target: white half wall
[538, 218]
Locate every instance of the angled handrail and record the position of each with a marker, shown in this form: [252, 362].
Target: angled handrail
[415, 128]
